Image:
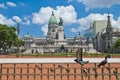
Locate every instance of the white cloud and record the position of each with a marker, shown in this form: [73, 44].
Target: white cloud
[69, 1]
[11, 4]
[2, 5]
[44, 29]
[99, 3]
[42, 16]
[26, 21]
[87, 8]
[5, 20]
[84, 23]
[73, 30]
[17, 19]
[66, 12]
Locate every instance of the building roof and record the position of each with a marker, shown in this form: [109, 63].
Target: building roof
[79, 37]
[52, 19]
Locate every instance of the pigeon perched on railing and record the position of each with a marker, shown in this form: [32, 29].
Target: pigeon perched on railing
[37, 67]
[67, 69]
[85, 73]
[79, 58]
[51, 70]
[102, 63]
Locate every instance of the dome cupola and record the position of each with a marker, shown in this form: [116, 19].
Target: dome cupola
[52, 19]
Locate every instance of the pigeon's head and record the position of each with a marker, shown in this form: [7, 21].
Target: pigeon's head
[108, 56]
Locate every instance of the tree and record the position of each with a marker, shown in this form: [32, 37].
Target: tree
[8, 38]
[117, 44]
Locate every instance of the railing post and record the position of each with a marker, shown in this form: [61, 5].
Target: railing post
[109, 72]
[116, 73]
[81, 72]
[0, 71]
[34, 73]
[7, 73]
[27, 71]
[21, 73]
[41, 72]
[48, 70]
[14, 71]
[61, 73]
[96, 74]
[74, 73]
[102, 73]
[67, 69]
[88, 73]
[54, 72]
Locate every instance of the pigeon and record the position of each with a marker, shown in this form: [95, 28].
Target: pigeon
[60, 66]
[67, 69]
[102, 63]
[51, 70]
[37, 67]
[85, 73]
[79, 57]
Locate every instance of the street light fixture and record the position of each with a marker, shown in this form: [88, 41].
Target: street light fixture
[18, 32]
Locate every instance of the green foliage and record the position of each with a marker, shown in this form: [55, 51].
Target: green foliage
[8, 38]
[117, 44]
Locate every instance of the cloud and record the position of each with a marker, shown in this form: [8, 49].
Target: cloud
[87, 8]
[67, 13]
[5, 20]
[69, 1]
[44, 29]
[84, 23]
[24, 21]
[11, 4]
[17, 19]
[73, 30]
[99, 3]
[2, 5]
[42, 16]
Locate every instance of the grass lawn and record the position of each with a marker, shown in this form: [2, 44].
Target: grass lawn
[67, 55]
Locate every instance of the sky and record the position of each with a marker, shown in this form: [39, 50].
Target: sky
[33, 15]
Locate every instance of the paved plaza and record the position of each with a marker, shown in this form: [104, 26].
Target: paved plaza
[55, 60]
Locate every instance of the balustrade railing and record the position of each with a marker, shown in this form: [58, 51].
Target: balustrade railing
[59, 71]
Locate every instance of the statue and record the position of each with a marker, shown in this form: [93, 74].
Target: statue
[61, 22]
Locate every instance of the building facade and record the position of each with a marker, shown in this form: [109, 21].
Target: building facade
[95, 27]
[105, 38]
[55, 41]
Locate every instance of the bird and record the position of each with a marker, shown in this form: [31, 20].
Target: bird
[37, 67]
[79, 58]
[67, 70]
[51, 70]
[102, 63]
[61, 67]
[85, 73]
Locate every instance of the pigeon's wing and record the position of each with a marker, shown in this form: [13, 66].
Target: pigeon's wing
[102, 63]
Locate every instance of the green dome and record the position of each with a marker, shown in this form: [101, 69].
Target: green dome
[52, 19]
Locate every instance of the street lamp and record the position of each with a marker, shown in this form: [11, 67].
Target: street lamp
[18, 32]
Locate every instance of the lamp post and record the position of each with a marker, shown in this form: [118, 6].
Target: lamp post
[18, 32]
